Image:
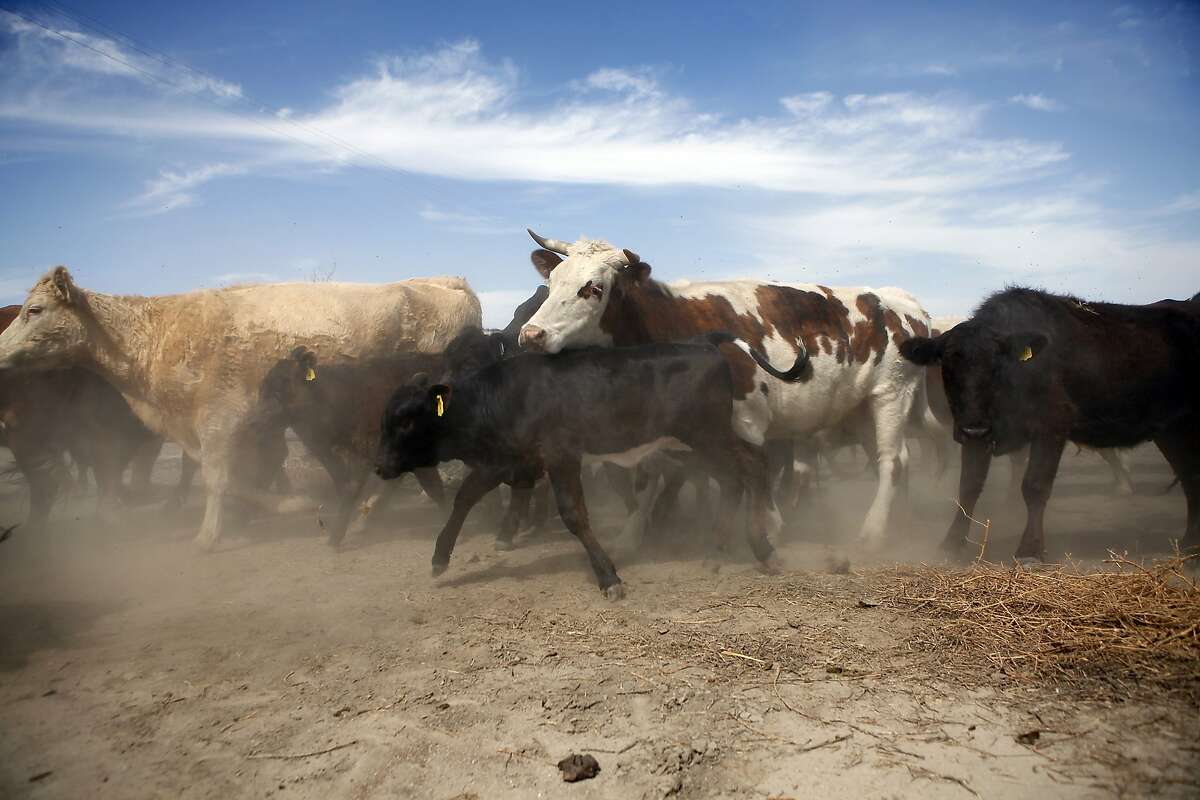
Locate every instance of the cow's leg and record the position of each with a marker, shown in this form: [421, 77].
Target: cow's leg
[431, 483]
[1118, 462]
[541, 507]
[568, 492]
[347, 503]
[973, 471]
[1018, 462]
[1044, 455]
[39, 466]
[216, 485]
[755, 474]
[620, 480]
[889, 415]
[518, 509]
[477, 484]
[145, 456]
[1181, 447]
[187, 474]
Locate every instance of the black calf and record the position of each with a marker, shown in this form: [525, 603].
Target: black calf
[514, 418]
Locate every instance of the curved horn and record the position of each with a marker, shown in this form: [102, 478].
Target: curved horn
[550, 244]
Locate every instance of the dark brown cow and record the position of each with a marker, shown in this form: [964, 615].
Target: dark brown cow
[71, 411]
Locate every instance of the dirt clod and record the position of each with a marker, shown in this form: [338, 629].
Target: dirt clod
[576, 767]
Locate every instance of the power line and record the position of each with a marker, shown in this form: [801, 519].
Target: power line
[170, 62]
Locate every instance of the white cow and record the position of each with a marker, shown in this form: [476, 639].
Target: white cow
[191, 364]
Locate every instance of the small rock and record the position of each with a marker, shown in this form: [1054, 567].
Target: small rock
[576, 767]
[865, 603]
[1029, 737]
[834, 669]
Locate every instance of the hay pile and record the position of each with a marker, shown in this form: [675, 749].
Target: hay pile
[1128, 625]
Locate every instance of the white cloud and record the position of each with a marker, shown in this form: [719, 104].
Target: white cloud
[232, 278]
[498, 306]
[460, 222]
[1037, 102]
[803, 105]
[1062, 242]
[173, 190]
[54, 48]
[1183, 204]
[452, 113]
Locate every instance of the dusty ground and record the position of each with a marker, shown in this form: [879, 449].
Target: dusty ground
[131, 666]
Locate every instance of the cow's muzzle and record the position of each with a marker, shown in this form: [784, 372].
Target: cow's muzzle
[532, 338]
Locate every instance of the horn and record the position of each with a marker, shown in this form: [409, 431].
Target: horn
[550, 244]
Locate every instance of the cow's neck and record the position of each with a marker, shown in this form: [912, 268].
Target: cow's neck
[645, 313]
[121, 329]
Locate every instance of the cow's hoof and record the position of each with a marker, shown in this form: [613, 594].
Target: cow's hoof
[438, 569]
[205, 544]
[504, 545]
[1030, 562]
[615, 592]
[771, 566]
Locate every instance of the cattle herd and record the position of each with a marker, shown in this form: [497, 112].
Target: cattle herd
[731, 381]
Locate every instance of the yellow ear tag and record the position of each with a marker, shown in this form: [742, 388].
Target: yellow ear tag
[441, 406]
[310, 375]
[1028, 354]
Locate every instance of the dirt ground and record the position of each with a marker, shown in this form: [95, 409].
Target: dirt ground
[132, 666]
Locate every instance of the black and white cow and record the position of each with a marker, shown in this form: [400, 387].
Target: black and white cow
[1042, 369]
[518, 417]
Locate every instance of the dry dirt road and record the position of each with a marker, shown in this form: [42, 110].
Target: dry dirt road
[132, 667]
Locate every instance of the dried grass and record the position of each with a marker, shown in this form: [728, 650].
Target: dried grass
[1122, 627]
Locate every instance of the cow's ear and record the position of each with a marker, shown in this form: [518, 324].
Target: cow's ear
[420, 380]
[544, 262]
[1025, 346]
[923, 350]
[439, 398]
[64, 286]
[638, 271]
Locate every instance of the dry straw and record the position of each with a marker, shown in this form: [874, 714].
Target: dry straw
[1128, 625]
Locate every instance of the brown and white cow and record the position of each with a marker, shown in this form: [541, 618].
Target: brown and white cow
[191, 364]
[604, 296]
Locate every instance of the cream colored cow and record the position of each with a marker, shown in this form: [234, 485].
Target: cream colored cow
[191, 364]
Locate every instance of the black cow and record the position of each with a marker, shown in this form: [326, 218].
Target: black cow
[1041, 369]
[516, 417]
[334, 409]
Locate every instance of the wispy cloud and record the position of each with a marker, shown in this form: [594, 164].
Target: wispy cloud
[56, 48]
[459, 222]
[1037, 102]
[453, 113]
[173, 190]
[232, 278]
[1187, 203]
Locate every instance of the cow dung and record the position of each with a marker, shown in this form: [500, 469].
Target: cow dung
[576, 767]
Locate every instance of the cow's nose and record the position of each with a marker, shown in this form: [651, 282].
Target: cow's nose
[532, 337]
[975, 431]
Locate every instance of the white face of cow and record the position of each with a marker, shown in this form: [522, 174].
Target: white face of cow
[580, 289]
[49, 332]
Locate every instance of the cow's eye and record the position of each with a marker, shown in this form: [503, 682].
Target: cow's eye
[406, 425]
[590, 289]
[33, 311]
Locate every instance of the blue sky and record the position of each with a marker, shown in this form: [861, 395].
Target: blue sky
[948, 148]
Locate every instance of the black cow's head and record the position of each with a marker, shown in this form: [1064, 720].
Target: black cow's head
[995, 382]
[288, 378]
[414, 423]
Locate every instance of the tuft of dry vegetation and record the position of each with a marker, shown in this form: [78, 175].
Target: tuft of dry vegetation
[1126, 627]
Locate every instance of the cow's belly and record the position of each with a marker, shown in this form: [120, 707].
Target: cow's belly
[833, 393]
[635, 455]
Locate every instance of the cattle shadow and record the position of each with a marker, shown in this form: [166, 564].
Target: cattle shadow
[30, 627]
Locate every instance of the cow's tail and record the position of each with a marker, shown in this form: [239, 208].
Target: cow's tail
[798, 370]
